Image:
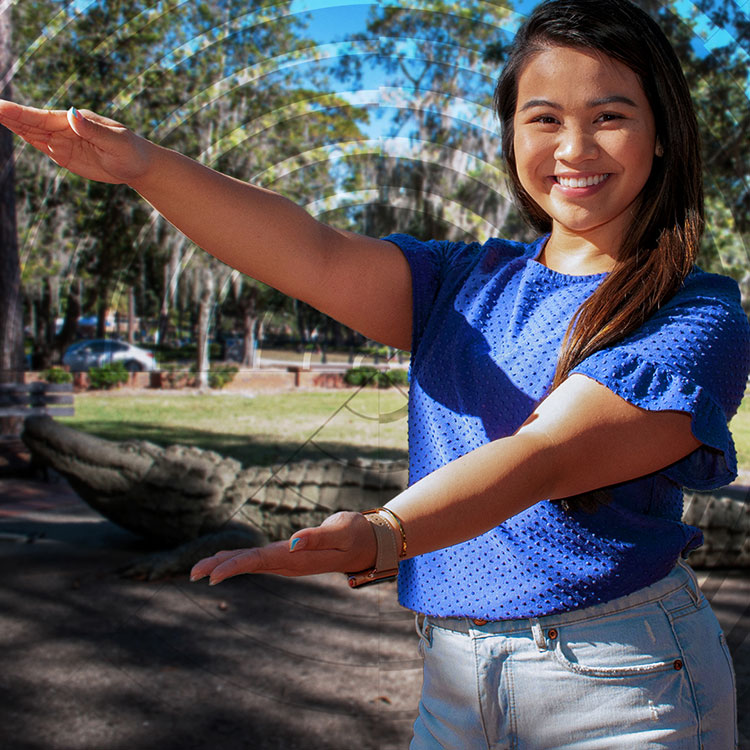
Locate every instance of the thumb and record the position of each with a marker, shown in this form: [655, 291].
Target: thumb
[92, 127]
[79, 124]
[339, 531]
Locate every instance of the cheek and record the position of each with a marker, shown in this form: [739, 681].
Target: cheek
[638, 156]
[527, 153]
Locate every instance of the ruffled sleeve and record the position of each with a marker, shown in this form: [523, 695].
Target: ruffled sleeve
[693, 355]
[431, 263]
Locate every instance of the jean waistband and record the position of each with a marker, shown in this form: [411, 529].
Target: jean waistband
[681, 579]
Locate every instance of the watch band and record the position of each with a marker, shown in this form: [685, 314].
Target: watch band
[387, 554]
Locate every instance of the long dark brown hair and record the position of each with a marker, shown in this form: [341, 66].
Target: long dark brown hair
[661, 244]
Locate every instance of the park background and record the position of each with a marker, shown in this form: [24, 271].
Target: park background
[375, 116]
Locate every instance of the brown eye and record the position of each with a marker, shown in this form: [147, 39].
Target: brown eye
[609, 117]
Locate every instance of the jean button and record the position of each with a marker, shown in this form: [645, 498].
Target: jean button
[678, 663]
[479, 622]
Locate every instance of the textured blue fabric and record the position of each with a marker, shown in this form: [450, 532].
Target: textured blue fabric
[488, 324]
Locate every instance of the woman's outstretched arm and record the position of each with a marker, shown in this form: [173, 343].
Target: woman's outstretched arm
[363, 282]
[581, 437]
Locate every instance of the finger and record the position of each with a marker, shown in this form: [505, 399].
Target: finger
[102, 132]
[267, 559]
[204, 567]
[14, 115]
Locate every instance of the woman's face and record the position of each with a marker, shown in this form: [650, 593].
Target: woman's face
[584, 140]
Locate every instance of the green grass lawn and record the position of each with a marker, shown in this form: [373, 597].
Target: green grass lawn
[273, 427]
[262, 429]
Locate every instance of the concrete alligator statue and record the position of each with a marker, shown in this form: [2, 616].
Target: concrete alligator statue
[199, 502]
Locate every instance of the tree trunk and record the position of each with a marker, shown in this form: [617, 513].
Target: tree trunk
[48, 309]
[101, 314]
[204, 322]
[131, 314]
[69, 328]
[249, 322]
[11, 312]
[203, 363]
[161, 336]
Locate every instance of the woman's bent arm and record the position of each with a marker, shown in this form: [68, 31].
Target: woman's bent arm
[365, 283]
[581, 437]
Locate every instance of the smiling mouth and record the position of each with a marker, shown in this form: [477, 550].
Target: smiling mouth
[580, 182]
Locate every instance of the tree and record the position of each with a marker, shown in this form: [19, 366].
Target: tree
[437, 176]
[11, 320]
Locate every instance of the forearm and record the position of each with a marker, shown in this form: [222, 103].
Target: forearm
[474, 493]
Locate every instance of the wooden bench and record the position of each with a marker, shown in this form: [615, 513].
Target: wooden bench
[32, 399]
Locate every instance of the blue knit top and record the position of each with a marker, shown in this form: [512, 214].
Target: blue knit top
[488, 324]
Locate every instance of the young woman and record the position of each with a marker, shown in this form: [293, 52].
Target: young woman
[562, 394]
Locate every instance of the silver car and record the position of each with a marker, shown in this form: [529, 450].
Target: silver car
[84, 355]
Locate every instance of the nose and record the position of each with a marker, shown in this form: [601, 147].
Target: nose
[575, 145]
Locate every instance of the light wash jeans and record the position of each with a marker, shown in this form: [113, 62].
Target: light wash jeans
[648, 670]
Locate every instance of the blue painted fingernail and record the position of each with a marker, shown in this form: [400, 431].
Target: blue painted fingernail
[294, 543]
[76, 113]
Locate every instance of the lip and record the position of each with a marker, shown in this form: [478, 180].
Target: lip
[580, 191]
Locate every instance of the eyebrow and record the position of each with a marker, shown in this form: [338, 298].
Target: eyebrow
[614, 99]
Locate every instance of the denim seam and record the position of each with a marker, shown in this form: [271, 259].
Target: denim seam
[686, 668]
[728, 657]
[512, 723]
[482, 717]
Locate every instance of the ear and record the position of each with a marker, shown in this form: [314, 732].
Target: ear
[659, 149]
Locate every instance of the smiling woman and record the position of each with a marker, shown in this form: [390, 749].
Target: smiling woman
[584, 142]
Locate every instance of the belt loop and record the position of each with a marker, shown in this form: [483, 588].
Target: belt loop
[421, 625]
[536, 631]
[695, 589]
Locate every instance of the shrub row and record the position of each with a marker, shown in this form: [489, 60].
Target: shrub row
[372, 376]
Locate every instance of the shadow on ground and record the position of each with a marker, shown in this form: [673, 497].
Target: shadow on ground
[92, 661]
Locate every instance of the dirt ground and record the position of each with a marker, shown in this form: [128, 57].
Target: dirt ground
[92, 661]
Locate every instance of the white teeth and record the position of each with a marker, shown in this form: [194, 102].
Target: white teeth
[579, 182]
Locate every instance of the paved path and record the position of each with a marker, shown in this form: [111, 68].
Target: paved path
[92, 661]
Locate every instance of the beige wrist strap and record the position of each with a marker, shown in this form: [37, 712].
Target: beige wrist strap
[387, 552]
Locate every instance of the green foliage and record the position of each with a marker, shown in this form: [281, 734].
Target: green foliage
[175, 375]
[221, 375]
[108, 376]
[372, 376]
[374, 351]
[57, 375]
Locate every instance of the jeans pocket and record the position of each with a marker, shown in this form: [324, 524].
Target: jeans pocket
[632, 644]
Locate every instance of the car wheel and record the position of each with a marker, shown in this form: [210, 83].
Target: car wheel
[133, 366]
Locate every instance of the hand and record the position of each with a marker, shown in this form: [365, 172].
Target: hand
[344, 542]
[88, 144]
